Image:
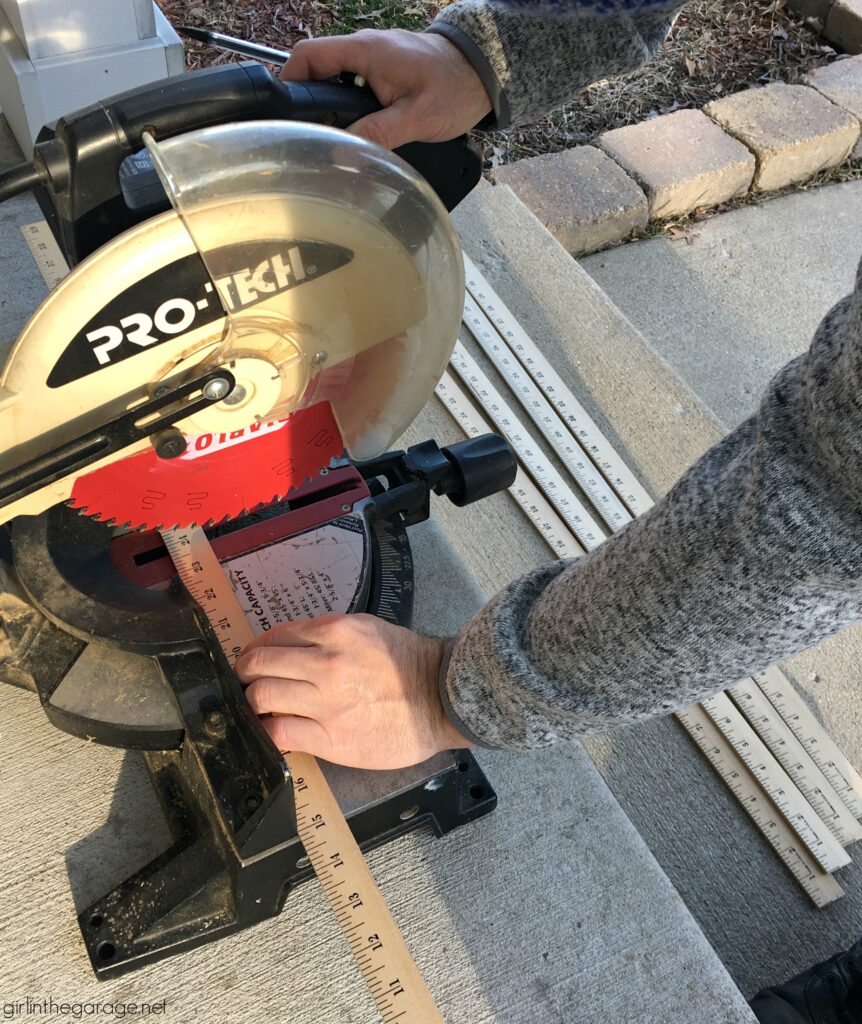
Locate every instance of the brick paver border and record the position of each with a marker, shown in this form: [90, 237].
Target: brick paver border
[758, 140]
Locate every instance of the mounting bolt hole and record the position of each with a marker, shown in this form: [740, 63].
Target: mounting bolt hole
[409, 812]
[107, 951]
[477, 792]
[96, 921]
[303, 862]
[463, 766]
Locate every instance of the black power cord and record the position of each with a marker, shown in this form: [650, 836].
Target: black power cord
[18, 179]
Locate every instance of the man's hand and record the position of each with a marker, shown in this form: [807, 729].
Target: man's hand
[427, 87]
[351, 689]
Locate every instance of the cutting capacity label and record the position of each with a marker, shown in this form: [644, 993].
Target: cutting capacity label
[316, 573]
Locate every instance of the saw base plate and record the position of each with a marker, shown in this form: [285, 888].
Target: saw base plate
[118, 655]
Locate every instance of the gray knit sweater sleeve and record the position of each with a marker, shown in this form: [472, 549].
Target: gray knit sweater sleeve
[755, 554]
[533, 58]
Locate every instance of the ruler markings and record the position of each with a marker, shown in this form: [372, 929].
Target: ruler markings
[820, 886]
[46, 253]
[824, 751]
[796, 761]
[596, 445]
[531, 500]
[572, 510]
[334, 854]
[780, 788]
[547, 419]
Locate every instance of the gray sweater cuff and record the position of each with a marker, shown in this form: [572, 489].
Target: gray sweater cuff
[533, 58]
[501, 116]
[451, 713]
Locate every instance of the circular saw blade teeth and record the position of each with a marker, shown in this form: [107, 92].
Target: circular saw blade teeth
[220, 479]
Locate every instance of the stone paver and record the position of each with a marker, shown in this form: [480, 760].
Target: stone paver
[840, 82]
[792, 129]
[844, 25]
[581, 196]
[682, 160]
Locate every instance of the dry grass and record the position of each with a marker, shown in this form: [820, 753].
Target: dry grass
[281, 23]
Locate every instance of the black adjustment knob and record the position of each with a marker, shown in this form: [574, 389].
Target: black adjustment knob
[169, 444]
[482, 466]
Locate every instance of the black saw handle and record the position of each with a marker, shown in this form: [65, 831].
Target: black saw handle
[78, 158]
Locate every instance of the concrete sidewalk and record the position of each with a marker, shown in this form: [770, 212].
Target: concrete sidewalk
[727, 309]
[738, 295]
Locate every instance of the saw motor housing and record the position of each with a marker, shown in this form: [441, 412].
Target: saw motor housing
[84, 193]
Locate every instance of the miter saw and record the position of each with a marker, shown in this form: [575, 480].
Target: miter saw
[259, 304]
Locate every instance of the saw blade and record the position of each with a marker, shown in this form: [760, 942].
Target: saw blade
[218, 477]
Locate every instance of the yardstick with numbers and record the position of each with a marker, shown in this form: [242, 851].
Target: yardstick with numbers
[820, 886]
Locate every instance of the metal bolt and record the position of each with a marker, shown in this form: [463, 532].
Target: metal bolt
[215, 724]
[324, 471]
[159, 390]
[236, 396]
[345, 508]
[319, 357]
[216, 389]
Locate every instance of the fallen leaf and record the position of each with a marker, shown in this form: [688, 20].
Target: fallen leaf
[691, 66]
[683, 235]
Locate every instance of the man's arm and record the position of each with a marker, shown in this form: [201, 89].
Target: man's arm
[486, 62]
[755, 554]
[535, 57]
